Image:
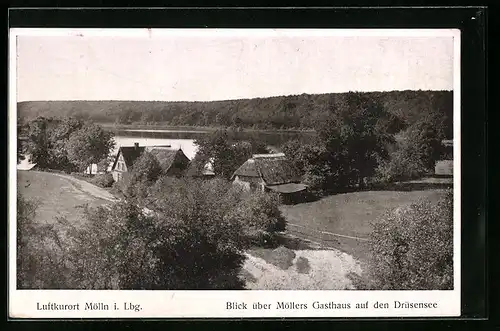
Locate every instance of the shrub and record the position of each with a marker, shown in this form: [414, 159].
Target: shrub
[39, 259]
[303, 266]
[282, 257]
[123, 248]
[412, 248]
[144, 173]
[261, 217]
[400, 167]
[103, 180]
[415, 155]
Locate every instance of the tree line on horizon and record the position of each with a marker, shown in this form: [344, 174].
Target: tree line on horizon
[301, 112]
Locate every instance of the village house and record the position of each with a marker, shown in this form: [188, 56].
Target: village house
[270, 172]
[444, 167]
[173, 161]
[204, 172]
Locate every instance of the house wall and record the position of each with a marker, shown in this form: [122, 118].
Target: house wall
[119, 169]
[250, 183]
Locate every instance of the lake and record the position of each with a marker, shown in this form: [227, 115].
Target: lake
[185, 139]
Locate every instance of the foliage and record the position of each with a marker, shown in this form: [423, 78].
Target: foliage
[144, 173]
[186, 243]
[418, 149]
[412, 248]
[225, 151]
[352, 140]
[21, 132]
[261, 217]
[38, 143]
[104, 164]
[39, 258]
[257, 213]
[281, 112]
[65, 144]
[103, 180]
[89, 145]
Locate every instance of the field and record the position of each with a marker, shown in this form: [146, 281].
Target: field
[344, 221]
[330, 237]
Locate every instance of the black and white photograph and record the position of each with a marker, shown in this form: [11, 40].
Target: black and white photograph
[235, 161]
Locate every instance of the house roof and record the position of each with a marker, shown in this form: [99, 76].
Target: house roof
[287, 188]
[166, 156]
[196, 170]
[130, 154]
[274, 169]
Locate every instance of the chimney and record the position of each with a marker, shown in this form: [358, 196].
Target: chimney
[136, 145]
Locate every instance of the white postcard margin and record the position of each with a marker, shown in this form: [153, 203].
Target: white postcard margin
[182, 304]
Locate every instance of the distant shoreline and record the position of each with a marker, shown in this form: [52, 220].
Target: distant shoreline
[207, 129]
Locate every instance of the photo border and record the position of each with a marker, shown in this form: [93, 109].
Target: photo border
[475, 196]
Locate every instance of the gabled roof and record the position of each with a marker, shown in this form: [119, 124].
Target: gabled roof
[130, 154]
[274, 169]
[167, 156]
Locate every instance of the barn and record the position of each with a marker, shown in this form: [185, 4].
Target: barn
[271, 172]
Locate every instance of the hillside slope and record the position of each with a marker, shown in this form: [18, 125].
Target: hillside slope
[283, 112]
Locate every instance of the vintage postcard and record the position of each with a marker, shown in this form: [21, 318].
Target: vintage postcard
[177, 173]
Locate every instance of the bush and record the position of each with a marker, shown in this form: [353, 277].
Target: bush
[282, 257]
[399, 168]
[261, 217]
[39, 255]
[412, 248]
[103, 180]
[144, 173]
[123, 248]
[415, 155]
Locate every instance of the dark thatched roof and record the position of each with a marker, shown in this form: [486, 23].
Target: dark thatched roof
[130, 154]
[165, 155]
[288, 188]
[274, 169]
[168, 156]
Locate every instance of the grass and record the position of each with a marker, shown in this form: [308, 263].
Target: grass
[349, 214]
[56, 196]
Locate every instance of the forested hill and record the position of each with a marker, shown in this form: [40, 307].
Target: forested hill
[283, 112]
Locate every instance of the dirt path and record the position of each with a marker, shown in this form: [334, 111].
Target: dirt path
[88, 188]
[328, 270]
[84, 187]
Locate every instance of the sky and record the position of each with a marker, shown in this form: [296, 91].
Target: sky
[208, 67]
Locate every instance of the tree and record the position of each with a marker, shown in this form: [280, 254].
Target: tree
[59, 137]
[104, 164]
[89, 145]
[227, 152]
[21, 131]
[412, 247]
[351, 141]
[417, 151]
[354, 137]
[144, 173]
[38, 143]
